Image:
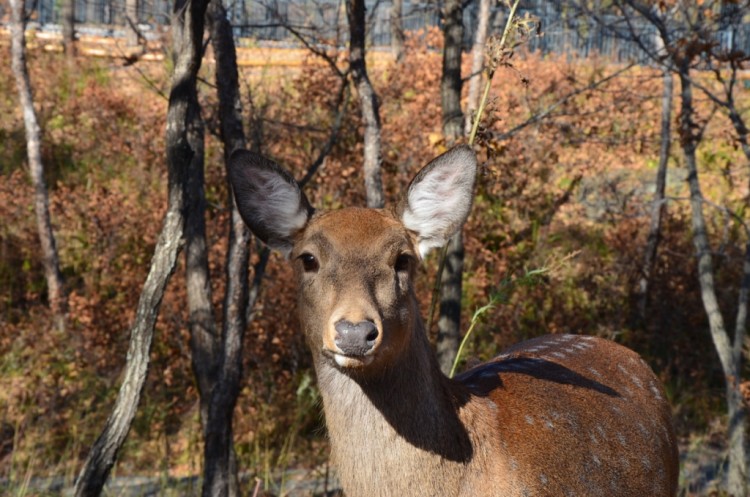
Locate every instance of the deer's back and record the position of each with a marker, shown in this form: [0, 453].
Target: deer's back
[574, 415]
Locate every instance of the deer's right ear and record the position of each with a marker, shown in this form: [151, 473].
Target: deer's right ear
[439, 197]
[269, 199]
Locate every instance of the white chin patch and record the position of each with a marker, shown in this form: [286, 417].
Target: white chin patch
[353, 362]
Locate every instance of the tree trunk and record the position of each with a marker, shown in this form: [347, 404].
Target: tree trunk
[730, 360]
[204, 338]
[50, 261]
[450, 82]
[103, 454]
[131, 19]
[220, 477]
[397, 30]
[188, 134]
[737, 411]
[185, 143]
[68, 18]
[736, 428]
[739, 126]
[179, 156]
[477, 63]
[657, 209]
[355, 11]
[449, 321]
[220, 473]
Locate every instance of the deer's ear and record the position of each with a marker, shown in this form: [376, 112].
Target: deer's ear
[268, 198]
[439, 198]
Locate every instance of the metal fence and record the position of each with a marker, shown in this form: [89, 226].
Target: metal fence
[326, 19]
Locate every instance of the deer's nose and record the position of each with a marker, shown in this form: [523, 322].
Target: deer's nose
[355, 339]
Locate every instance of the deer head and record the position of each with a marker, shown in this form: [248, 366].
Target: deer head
[355, 266]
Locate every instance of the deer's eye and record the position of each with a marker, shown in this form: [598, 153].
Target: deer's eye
[403, 263]
[309, 263]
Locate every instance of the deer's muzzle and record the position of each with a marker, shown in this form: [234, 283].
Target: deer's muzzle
[355, 343]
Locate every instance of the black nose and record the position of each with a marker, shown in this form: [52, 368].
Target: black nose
[356, 339]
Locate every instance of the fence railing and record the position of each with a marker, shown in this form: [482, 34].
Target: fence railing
[326, 19]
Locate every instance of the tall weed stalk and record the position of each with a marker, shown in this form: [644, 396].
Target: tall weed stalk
[497, 53]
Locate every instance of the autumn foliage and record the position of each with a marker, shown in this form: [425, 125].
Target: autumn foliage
[570, 192]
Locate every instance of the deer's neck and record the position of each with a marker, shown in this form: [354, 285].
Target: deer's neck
[390, 435]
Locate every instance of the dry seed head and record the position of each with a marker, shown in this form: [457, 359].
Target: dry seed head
[495, 54]
[498, 52]
[525, 27]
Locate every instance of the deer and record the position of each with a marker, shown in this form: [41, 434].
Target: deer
[554, 416]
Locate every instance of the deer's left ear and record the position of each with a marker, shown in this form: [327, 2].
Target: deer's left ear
[269, 199]
[439, 198]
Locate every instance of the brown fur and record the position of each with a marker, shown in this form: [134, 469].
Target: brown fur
[555, 416]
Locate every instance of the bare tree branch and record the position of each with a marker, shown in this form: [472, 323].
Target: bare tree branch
[220, 460]
[308, 45]
[397, 30]
[657, 209]
[477, 63]
[179, 155]
[368, 100]
[539, 116]
[342, 103]
[50, 259]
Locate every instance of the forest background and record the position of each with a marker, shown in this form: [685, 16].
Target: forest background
[556, 240]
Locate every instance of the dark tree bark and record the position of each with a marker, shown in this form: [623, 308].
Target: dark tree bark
[450, 81]
[204, 338]
[187, 137]
[68, 20]
[355, 11]
[657, 210]
[449, 322]
[227, 80]
[220, 461]
[220, 477]
[50, 260]
[397, 29]
[179, 156]
[220, 474]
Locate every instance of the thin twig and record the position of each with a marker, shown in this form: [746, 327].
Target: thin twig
[294, 32]
[342, 102]
[546, 112]
[256, 490]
